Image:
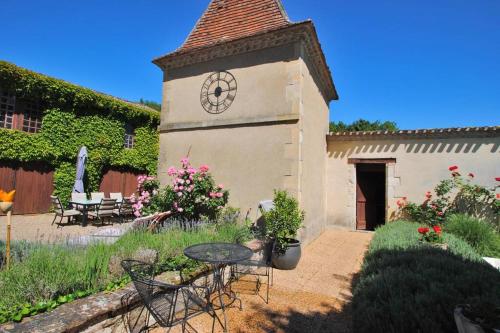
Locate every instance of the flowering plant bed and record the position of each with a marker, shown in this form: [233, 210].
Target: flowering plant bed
[192, 194]
[457, 194]
[430, 235]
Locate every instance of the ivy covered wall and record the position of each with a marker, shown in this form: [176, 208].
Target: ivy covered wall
[73, 117]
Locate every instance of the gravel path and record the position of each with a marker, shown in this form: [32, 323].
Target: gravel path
[39, 228]
[312, 298]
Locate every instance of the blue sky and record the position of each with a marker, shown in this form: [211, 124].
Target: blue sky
[421, 63]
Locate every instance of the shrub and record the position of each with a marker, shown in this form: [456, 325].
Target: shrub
[455, 195]
[284, 220]
[48, 272]
[408, 287]
[193, 194]
[477, 233]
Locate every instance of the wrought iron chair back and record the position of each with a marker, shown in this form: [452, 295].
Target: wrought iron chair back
[159, 298]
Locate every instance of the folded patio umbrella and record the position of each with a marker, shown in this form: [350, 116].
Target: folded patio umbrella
[80, 170]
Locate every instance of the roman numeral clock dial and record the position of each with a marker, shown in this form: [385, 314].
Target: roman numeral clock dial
[218, 92]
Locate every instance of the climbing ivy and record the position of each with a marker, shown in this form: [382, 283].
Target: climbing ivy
[73, 117]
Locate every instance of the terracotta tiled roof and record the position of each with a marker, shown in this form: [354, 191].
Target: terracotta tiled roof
[226, 20]
[485, 131]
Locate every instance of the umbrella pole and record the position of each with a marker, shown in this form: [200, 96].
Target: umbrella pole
[7, 243]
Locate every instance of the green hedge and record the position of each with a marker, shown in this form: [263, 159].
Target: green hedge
[408, 287]
[74, 117]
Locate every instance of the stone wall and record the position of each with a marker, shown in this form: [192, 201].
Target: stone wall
[421, 162]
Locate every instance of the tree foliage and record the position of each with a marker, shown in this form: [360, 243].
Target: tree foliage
[152, 104]
[363, 125]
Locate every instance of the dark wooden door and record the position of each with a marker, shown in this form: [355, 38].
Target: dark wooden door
[370, 196]
[33, 185]
[121, 181]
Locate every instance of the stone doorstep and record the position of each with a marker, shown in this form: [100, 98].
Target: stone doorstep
[84, 313]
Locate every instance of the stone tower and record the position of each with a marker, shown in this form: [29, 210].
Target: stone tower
[247, 94]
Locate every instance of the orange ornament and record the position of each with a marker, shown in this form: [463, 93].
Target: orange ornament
[7, 197]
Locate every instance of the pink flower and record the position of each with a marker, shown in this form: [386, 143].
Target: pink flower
[428, 194]
[179, 194]
[221, 186]
[185, 161]
[212, 195]
[219, 195]
[181, 188]
[204, 168]
[188, 181]
[191, 170]
[171, 171]
[180, 210]
[181, 172]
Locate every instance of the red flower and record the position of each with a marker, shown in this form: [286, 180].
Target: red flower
[453, 168]
[498, 196]
[497, 179]
[437, 229]
[423, 231]
[471, 175]
[428, 194]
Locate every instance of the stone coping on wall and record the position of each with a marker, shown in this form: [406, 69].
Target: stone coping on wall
[97, 312]
[455, 132]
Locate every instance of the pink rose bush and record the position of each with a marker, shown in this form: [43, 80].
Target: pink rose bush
[191, 195]
[147, 186]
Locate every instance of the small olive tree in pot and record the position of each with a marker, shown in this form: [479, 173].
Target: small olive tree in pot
[282, 223]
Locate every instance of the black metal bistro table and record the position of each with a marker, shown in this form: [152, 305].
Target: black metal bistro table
[219, 255]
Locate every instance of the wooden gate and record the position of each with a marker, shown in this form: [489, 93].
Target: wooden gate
[119, 181]
[370, 196]
[33, 185]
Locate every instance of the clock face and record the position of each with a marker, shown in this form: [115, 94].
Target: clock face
[218, 92]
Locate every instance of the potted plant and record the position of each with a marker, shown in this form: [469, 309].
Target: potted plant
[477, 319]
[282, 223]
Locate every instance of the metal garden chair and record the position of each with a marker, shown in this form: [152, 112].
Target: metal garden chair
[104, 210]
[259, 267]
[123, 208]
[61, 212]
[170, 305]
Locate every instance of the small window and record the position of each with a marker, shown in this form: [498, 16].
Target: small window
[129, 136]
[32, 117]
[7, 109]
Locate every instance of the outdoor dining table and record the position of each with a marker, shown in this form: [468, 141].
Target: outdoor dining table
[219, 255]
[85, 204]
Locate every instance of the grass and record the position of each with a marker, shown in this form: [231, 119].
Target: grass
[405, 286]
[49, 271]
[479, 234]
